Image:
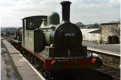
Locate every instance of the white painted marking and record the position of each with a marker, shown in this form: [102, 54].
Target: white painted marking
[104, 51]
[34, 69]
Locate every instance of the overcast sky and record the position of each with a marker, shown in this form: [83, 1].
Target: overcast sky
[85, 11]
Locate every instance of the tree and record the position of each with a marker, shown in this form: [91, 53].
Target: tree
[80, 24]
[96, 25]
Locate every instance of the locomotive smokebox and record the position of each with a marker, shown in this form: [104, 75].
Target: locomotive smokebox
[66, 11]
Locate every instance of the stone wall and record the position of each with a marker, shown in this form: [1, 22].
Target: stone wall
[109, 29]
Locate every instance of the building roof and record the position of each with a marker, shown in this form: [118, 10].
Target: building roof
[109, 23]
[38, 16]
[96, 31]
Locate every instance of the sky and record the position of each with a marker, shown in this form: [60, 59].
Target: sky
[85, 11]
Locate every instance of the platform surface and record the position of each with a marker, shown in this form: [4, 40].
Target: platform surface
[114, 48]
[20, 69]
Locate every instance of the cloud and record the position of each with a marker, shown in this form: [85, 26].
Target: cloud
[87, 11]
[94, 10]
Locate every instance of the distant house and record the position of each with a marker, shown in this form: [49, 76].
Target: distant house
[110, 32]
[91, 34]
[96, 35]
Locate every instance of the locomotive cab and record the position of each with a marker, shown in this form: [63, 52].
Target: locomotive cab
[32, 36]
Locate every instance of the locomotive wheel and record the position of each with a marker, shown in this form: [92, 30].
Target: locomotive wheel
[30, 58]
[34, 61]
[27, 56]
[46, 74]
[37, 64]
[23, 52]
[41, 67]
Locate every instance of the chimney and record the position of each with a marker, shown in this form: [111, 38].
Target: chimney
[66, 11]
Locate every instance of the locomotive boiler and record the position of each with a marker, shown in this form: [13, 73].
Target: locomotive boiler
[55, 46]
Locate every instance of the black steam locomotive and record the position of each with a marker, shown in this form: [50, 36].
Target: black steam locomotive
[54, 46]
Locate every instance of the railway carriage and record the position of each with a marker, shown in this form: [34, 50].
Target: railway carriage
[17, 40]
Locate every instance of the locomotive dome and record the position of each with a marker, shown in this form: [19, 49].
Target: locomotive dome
[53, 18]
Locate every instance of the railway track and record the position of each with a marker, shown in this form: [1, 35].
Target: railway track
[111, 63]
[102, 73]
[110, 59]
[8, 38]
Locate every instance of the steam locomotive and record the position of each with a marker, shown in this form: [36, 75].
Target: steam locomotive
[54, 46]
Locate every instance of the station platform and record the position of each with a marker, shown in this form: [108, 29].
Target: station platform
[108, 48]
[15, 66]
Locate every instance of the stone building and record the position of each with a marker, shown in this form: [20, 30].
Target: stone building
[110, 32]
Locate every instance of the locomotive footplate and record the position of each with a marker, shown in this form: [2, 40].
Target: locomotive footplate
[67, 64]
